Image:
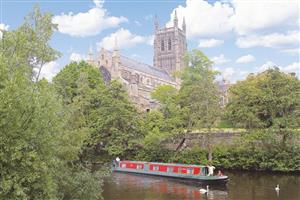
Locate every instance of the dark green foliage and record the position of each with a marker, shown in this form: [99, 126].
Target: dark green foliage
[269, 99]
[79, 82]
[29, 129]
[105, 113]
[80, 184]
[194, 106]
[224, 124]
[116, 123]
[245, 158]
[154, 154]
[199, 95]
[194, 155]
[40, 138]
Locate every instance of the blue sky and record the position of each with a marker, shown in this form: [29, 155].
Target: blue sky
[240, 36]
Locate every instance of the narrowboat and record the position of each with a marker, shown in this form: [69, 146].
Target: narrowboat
[171, 170]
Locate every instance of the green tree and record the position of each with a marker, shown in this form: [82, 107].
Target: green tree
[116, 123]
[104, 112]
[29, 126]
[196, 105]
[39, 148]
[29, 44]
[173, 121]
[199, 95]
[270, 99]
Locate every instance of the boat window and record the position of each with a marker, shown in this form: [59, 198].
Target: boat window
[123, 165]
[170, 169]
[189, 171]
[183, 170]
[139, 167]
[179, 170]
[155, 168]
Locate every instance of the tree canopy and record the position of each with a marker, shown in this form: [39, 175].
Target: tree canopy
[196, 104]
[39, 143]
[268, 99]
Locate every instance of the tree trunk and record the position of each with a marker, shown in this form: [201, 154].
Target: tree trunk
[180, 144]
[209, 147]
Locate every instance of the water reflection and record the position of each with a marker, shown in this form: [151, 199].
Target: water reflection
[148, 187]
[242, 186]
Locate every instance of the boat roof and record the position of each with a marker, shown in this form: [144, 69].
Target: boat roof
[158, 163]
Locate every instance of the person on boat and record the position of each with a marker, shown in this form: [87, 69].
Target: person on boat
[211, 169]
[117, 161]
[220, 173]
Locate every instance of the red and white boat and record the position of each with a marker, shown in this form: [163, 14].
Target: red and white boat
[173, 170]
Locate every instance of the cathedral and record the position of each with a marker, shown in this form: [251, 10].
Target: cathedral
[141, 79]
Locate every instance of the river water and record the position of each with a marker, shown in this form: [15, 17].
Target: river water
[241, 186]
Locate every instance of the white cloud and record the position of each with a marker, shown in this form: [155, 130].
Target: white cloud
[251, 16]
[203, 18]
[3, 27]
[228, 73]
[220, 59]
[266, 66]
[210, 43]
[49, 70]
[294, 67]
[98, 3]
[77, 57]
[293, 51]
[271, 40]
[137, 23]
[245, 17]
[245, 59]
[125, 39]
[88, 23]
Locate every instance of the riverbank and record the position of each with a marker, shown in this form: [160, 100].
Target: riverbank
[250, 152]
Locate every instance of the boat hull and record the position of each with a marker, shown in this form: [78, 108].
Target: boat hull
[190, 177]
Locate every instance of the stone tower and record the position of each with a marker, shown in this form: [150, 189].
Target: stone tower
[170, 46]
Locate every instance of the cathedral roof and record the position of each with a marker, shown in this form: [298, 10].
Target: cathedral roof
[145, 68]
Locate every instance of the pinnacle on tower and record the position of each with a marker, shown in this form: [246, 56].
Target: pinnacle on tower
[116, 50]
[175, 20]
[156, 24]
[116, 44]
[90, 54]
[183, 25]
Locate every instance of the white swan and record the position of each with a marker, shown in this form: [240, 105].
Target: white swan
[277, 188]
[204, 191]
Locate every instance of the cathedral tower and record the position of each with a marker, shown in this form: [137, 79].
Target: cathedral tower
[170, 46]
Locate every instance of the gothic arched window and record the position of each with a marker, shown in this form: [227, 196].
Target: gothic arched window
[169, 44]
[162, 45]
